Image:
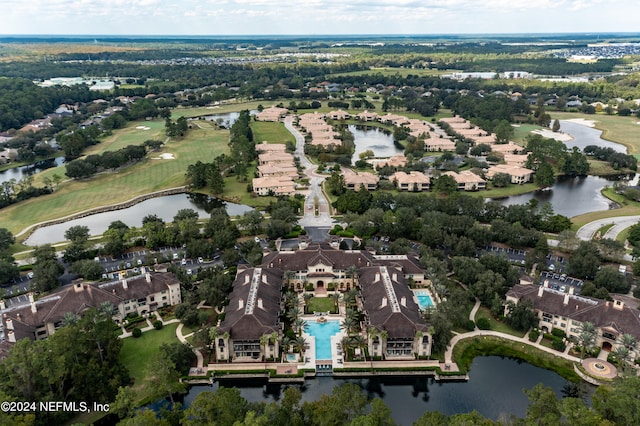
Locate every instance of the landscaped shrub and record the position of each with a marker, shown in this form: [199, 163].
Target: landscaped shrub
[558, 345]
[533, 335]
[469, 325]
[136, 332]
[483, 324]
[157, 324]
[558, 333]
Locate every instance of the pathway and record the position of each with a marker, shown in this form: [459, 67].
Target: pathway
[525, 340]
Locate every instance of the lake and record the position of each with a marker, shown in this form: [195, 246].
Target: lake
[18, 173]
[495, 389]
[164, 207]
[570, 196]
[585, 135]
[378, 140]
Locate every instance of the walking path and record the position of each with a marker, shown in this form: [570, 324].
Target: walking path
[525, 340]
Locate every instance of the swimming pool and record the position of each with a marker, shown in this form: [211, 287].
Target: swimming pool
[424, 299]
[323, 331]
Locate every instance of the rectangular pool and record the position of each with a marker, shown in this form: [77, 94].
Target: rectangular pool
[323, 331]
[424, 299]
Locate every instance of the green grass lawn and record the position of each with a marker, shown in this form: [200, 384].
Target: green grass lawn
[321, 304]
[522, 131]
[272, 132]
[136, 353]
[497, 325]
[151, 174]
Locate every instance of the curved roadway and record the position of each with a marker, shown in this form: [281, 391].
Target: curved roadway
[620, 223]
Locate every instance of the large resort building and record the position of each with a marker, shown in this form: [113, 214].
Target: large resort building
[568, 312]
[252, 331]
[135, 295]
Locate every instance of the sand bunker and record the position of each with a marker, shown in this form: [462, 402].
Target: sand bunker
[559, 136]
[165, 156]
[583, 121]
[143, 128]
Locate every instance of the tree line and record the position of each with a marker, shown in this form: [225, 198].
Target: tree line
[92, 164]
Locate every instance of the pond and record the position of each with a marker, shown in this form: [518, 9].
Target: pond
[495, 389]
[226, 119]
[18, 173]
[585, 135]
[571, 196]
[164, 207]
[378, 140]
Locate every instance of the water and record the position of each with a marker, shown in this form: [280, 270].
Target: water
[571, 196]
[585, 135]
[164, 207]
[495, 389]
[378, 140]
[226, 119]
[424, 299]
[323, 332]
[18, 173]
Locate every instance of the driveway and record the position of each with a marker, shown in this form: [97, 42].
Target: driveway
[314, 194]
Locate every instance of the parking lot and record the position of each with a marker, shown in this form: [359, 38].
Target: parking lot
[561, 282]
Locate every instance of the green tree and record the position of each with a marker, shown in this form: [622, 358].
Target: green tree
[46, 269]
[544, 176]
[445, 185]
[556, 125]
[544, 408]
[503, 131]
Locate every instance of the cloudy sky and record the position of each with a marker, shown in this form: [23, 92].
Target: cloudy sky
[313, 17]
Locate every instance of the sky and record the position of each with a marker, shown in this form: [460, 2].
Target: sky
[315, 17]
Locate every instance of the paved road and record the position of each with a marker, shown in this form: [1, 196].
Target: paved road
[620, 223]
[314, 194]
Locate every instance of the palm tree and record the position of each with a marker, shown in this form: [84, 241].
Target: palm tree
[360, 342]
[336, 300]
[587, 337]
[290, 299]
[293, 314]
[347, 344]
[286, 341]
[300, 345]
[628, 341]
[622, 353]
[352, 271]
[107, 309]
[288, 276]
[307, 297]
[298, 326]
[70, 318]
[213, 335]
[348, 324]
[383, 340]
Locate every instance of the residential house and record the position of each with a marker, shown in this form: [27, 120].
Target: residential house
[356, 180]
[272, 113]
[414, 181]
[468, 181]
[518, 175]
[275, 185]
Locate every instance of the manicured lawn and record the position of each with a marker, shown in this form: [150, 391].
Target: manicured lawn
[151, 174]
[623, 130]
[583, 219]
[466, 350]
[136, 353]
[130, 135]
[522, 131]
[497, 325]
[321, 304]
[271, 132]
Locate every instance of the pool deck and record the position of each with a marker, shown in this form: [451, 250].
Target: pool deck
[310, 353]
